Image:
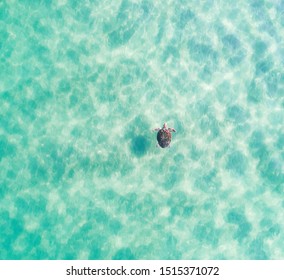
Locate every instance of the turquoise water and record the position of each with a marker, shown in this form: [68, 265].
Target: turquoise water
[83, 83]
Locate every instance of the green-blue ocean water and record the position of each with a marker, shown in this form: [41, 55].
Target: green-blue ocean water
[82, 85]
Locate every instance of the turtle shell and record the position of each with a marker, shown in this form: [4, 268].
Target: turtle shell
[164, 137]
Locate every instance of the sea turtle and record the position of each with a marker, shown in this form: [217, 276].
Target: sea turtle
[164, 135]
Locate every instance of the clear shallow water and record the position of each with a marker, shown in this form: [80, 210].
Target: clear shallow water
[82, 83]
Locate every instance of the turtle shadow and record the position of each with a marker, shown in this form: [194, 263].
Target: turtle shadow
[139, 146]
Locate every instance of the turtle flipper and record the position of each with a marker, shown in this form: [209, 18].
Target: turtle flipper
[156, 129]
[171, 129]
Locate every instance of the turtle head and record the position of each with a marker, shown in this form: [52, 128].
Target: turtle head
[165, 126]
